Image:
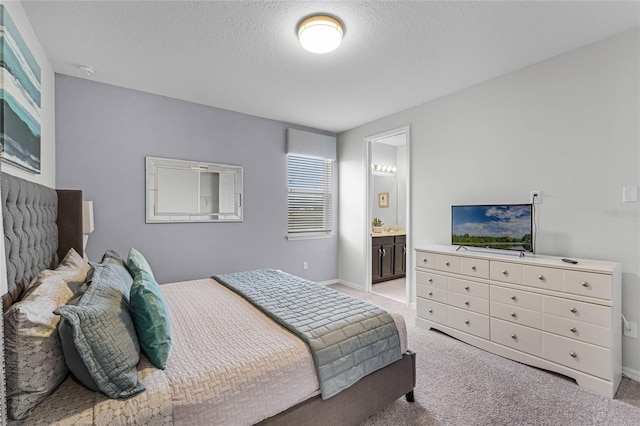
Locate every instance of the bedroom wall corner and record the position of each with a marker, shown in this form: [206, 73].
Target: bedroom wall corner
[47, 174]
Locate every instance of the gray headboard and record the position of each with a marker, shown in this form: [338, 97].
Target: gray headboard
[39, 226]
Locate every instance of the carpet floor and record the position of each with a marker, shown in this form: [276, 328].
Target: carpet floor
[458, 384]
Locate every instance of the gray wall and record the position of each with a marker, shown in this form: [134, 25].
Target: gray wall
[568, 126]
[104, 132]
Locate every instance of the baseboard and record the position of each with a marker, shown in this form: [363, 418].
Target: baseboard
[351, 285]
[631, 373]
[329, 282]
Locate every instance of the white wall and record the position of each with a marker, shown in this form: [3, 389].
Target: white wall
[568, 126]
[47, 175]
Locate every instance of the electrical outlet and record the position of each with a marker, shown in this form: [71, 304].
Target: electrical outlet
[633, 332]
[536, 197]
[305, 266]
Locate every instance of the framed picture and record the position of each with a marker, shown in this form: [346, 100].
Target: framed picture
[19, 98]
[383, 199]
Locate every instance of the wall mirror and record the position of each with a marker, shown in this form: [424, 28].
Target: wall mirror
[192, 191]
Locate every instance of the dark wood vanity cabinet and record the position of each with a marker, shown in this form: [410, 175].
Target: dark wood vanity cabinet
[389, 258]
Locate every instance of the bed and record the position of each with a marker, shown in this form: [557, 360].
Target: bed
[229, 363]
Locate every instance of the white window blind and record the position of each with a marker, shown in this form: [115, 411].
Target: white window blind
[309, 200]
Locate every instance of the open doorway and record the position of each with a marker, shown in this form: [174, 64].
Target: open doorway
[388, 213]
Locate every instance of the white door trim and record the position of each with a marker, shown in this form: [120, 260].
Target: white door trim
[367, 208]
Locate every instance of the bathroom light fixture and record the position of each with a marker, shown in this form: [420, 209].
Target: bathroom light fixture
[383, 168]
[320, 33]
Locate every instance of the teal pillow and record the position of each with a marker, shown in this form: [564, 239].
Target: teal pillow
[136, 263]
[101, 330]
[150, 316]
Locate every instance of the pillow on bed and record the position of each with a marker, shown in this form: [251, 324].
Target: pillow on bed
[34, 360]
[150, 316]
[112, 259]
[136, 263]
[102, 332]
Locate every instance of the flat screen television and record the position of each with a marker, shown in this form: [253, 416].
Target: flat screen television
[496, 226]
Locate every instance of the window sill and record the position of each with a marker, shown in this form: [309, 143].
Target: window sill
[309, 236]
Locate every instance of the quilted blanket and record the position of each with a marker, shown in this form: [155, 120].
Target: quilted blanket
[348, 338]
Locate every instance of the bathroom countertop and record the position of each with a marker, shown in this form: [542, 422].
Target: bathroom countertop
[390, 233]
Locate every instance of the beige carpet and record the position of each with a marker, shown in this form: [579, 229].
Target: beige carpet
[458, 384]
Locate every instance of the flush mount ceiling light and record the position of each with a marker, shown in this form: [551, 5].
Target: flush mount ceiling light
[320, 33]
[87, 69]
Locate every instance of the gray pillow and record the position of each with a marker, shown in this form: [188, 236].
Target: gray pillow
[112, 258]
[103, 334]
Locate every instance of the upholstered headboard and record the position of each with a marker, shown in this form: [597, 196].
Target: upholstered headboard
[40, 226]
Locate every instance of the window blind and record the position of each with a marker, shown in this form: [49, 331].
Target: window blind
[309, 194]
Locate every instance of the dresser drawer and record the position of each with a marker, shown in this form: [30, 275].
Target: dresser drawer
[432, 293]
[588, 284]
[515, 336]
[470, 288]
[425, 259]
[547, 278]
[578, 330]
[469, 322]
[516, 314]
[474, 304]
[577, 311]
[587, 358]
[511, 297]
[432, 311]
[432, 280]
[506, 272]
[474, 267]
[448, 263]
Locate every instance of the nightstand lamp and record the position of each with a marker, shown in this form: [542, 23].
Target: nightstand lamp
[87, 222]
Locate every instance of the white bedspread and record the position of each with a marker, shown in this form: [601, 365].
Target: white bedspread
[229, 365]
[228, 377]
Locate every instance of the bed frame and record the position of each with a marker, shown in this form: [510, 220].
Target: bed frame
[41, 224]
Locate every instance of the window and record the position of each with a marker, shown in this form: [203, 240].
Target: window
[309, 196]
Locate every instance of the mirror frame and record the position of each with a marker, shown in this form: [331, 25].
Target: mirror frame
[153, 164]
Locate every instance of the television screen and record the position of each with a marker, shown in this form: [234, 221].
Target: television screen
[506, 226]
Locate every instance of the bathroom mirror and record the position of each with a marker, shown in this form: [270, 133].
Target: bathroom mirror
[192, 191]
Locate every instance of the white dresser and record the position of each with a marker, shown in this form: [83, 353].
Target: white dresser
[536, 309]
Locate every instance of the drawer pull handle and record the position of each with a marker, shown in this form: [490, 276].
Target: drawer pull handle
[466, 322]
[541, 277]
[513, 314]
[573, 354]
[466, 302]
[424, 260]
[447, 263]
[430, 293]
[513, 336]
[466, 287]
[505, 273]
[573, 329]
[430, 280]
[573, 310]
[585, 284]
[513, 297]
[430, 311]
[473, 268]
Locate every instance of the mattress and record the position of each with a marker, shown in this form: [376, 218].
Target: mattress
[229, 364]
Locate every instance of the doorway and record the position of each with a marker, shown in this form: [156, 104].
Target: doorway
[388, 212]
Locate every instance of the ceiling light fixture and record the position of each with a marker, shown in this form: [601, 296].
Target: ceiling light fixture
[320, 33]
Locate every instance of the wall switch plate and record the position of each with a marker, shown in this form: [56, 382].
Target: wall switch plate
[633, 332]
[629, 194]
[305, 266]
[536, 197]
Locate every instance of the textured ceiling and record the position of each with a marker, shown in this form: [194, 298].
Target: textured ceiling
[244, 55]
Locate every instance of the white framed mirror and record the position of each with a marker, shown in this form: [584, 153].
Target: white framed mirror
[192, 191]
